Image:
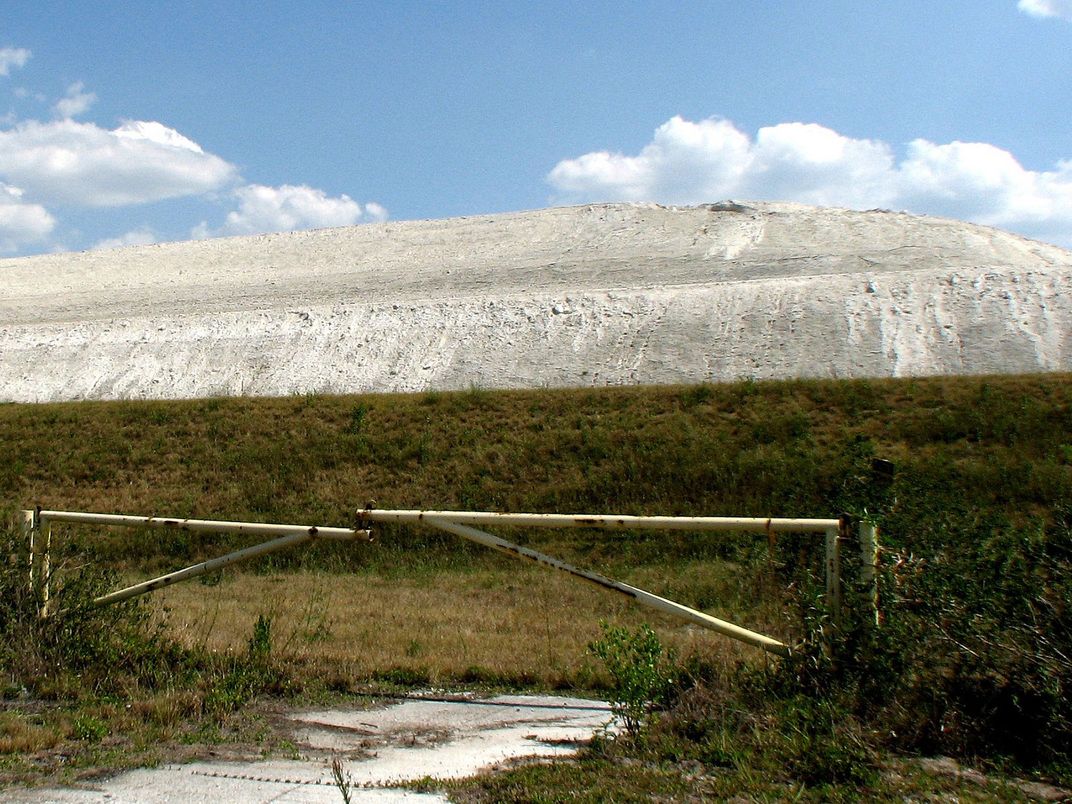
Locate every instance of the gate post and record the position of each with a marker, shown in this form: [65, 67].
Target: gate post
[833, 574]
[862, 557]
[31, 533]
[40, 568]
[869, 558]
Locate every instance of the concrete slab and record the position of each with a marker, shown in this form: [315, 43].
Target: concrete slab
[436, 737]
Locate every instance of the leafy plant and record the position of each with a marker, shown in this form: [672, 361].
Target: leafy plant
[105, 649]
[250, 675]
[358, 415]
[90, 729]
[642, 672]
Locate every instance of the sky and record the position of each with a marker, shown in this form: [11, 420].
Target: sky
[143, 121]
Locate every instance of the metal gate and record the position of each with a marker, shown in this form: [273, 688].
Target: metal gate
[37, 527]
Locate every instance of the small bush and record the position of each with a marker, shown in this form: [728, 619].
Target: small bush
[642, 673]
[973, 655]
[247, 677]
[90, 729]
[106, 648]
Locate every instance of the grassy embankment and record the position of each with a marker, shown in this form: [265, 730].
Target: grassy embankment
[975, 524]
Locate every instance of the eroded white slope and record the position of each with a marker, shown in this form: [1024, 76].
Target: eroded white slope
[568, 296]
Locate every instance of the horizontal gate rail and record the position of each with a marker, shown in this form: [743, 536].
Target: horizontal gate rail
[38, 521]
[461, 523]
[707, 523]
[196, 525]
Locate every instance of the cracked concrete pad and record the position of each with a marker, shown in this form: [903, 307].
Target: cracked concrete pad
[436, 738]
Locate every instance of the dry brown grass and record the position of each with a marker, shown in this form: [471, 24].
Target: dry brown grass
[20, 735]
[506, 624]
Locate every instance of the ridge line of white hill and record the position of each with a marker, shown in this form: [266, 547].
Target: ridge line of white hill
[591, 295]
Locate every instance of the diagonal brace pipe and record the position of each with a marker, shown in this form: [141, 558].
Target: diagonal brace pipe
[213, 564]
[641, 596]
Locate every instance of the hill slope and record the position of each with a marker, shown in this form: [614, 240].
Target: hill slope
[592, 295]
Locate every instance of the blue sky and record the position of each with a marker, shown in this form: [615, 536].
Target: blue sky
[134, 122]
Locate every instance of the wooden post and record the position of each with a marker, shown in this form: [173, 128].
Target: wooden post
[40, 544]
[861, 557]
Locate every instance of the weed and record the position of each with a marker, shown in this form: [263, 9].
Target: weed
[89, 728]
[641, 672]
[696, 395]
[343, 782]
[405, 676]
[358, 415]
[260, 641]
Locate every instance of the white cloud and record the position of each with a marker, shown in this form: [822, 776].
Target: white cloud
[12, 57]
[156, 133]
[75, 102]
[289, 208]
[137, 237]
[21, 223]
[1047, 8]
[23, 93]
[689, 162]
[67, 162]
[376, 212]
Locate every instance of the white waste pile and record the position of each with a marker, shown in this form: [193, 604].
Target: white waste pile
[569, 296]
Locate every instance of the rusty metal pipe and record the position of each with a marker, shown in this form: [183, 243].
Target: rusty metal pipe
[201, 525]
[708, 523]
[211, 565]
[641, 596]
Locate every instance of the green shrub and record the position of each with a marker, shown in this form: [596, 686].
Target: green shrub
[90, 729]
[974, 654]
[642, 673]
[106, 648]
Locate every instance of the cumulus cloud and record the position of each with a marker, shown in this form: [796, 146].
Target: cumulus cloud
[376, 212]
[75, 102]
[137, 237]
[67, 162]
[289, 208]
[694, 162]
[46, 166]
[1047, 8]
[12, 57]
[21, 223]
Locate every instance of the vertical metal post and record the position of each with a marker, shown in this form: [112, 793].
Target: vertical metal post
[833, 573]
[869, 569]
[46, 569]
[30, 533]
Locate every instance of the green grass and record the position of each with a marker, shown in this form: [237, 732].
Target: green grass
[976, 522]
[792, 448]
